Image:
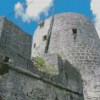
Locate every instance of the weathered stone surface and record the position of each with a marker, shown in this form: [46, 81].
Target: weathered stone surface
[83, 53]
[72, 66]
[15, 38]
[14, 85]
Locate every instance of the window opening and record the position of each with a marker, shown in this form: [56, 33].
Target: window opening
[44, 37]
[0, 98]
[6, 59]
[4, 68]
[34, 45]
[74, 33]
[27, 65]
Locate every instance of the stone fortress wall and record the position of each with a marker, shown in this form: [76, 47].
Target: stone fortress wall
[75, 78]
[12, 37]
[81, 49]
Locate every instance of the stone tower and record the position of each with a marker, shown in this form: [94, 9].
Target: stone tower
[74, 38]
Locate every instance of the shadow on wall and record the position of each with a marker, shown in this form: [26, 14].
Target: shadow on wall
[68, 76]
[3, 69]
[73, 78]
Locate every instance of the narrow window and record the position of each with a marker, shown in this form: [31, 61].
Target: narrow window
[6, 59]
[34, 45]
[44, 37]
[27, 65]
[0, 98]
[4, 68]
[74, 33]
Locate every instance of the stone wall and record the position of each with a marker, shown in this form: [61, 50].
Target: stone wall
[15, 38]
[38, 38]
[72, 65]
[22, 83]
[83, 53]
[1, 25]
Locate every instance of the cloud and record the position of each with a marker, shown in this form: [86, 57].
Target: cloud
[33, 9]
[95, 7]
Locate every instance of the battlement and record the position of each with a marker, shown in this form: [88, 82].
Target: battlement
[65, 82]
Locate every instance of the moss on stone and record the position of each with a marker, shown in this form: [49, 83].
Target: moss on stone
[39, 63]
[44, 67]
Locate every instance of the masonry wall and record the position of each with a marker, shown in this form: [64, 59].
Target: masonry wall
[15, 38]
[83, 52]
[1, 25]
[28, 83]
[38, 38]
[16, 86]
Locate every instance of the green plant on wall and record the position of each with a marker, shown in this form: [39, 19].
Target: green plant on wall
[44, 67]
[39, 63]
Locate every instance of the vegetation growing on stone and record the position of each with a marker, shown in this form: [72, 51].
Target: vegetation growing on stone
[44, 67]
[39, 63]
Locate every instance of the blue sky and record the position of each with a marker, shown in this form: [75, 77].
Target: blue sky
[27, 13]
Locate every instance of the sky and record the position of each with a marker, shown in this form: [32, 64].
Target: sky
[28, 13]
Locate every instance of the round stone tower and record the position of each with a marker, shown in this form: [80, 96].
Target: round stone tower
[74, 38]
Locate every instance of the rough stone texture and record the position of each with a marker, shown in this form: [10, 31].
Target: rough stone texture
[24, 82]
[21, 83]
[16, 86]
[14, 38]
[76, 61]
[83, 53]
[38, 39]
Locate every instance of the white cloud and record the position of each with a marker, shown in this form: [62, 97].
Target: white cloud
[33, 9]
[95, 7]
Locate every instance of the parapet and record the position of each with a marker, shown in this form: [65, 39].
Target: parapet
[23, 82]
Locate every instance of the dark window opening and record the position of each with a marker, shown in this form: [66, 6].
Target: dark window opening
[34, 45]
[6, 59]
[0, 98]
[74, 31]
[27, 65]
[44, 38]
[4, 68]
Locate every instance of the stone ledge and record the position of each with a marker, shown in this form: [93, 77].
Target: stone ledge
[42, 79]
